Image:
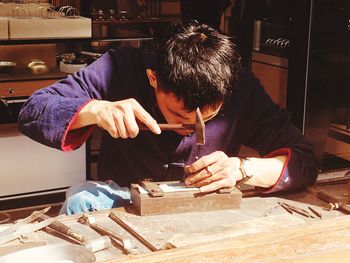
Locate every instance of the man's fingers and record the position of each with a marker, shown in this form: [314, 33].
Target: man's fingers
[119, 124]
[106, 122]
[142, 115]
[132, 127]
[216, 185]
[206, 161]
[207, 172]
[131, 124]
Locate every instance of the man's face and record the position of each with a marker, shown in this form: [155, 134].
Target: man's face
[174, 112]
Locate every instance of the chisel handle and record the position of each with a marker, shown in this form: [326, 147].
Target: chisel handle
[63, 229]
[345, 208]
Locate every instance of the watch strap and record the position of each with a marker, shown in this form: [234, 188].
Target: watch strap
[245, 176]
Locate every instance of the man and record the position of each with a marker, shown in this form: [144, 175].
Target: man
[195, 67]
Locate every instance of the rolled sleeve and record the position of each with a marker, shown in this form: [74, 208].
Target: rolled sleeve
[72, 140]
[284, 179]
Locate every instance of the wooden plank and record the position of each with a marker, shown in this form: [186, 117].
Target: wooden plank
[310, 239]
[182, 202]
[254, 226]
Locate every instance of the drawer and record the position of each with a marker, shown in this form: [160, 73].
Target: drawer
[23, 88]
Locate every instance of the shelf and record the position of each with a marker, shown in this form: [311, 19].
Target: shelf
[25, 76]
[130, 21]
[123, 39]
[43, 41]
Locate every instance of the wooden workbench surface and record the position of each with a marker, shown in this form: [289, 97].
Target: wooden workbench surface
[260, 231]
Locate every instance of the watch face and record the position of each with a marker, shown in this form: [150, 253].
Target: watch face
[248, 167]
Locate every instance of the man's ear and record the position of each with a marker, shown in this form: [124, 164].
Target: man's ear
[152, 78]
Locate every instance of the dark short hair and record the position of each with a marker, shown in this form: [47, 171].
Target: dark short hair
[197, 64]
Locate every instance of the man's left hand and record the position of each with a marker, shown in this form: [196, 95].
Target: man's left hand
[213, 171]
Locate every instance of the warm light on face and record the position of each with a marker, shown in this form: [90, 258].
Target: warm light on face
[174, 112]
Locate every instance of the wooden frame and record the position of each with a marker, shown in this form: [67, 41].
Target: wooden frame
[181, 202]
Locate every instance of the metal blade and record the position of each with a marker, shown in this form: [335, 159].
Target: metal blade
[21, 222]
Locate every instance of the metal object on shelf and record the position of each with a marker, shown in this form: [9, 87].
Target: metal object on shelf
[45, 12]
[6, 67]
[37, 66]
[69, 11]
[20, 12]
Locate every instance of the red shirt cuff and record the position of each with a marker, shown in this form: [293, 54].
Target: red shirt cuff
[74, 139]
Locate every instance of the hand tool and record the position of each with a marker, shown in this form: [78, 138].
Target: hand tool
[297, 210]
[124, 243]
[338, 203]
[24, 221]
[63, 229]
[198, 127]
[23, 227]
[131, 231]
[315, 212]
[286, 208]
[93, 245]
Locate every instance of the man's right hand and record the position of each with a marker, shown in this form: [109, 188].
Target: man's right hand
[118, 118]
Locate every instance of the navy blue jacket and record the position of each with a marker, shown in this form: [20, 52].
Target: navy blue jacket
[249, 117]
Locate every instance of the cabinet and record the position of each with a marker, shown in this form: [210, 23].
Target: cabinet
[29, 170]
[313, 37]
[272, 71]
[47, 171]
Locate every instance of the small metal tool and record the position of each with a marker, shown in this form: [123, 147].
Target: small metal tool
[297, 210]
[23, 227]
[286, 208]
[124, 243]
[130, 230]
[198, 127]
[63, 229]
[318, 214]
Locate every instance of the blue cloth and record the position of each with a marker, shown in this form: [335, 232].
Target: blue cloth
[249, 117]
[91, 196]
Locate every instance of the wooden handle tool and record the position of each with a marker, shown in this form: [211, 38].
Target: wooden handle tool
[331, 199]
[198, 127]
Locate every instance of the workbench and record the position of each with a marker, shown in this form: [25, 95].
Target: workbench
[259, 231]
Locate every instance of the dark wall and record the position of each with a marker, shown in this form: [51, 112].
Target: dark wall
[204, 11]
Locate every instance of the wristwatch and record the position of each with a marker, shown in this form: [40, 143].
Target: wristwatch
[246, 168]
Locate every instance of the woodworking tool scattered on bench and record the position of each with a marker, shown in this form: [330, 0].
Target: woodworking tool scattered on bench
[333, 201]
[22, 228]
[63, 229]
[131, 231]
[291, 209]
[123, 243]
[318, 214]
[198, 127]
[93, 245]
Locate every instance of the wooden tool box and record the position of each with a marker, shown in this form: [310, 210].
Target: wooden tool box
[157, 202]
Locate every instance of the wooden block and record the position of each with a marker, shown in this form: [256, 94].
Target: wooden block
[37, 28]
[4, 34]
[182, 202]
